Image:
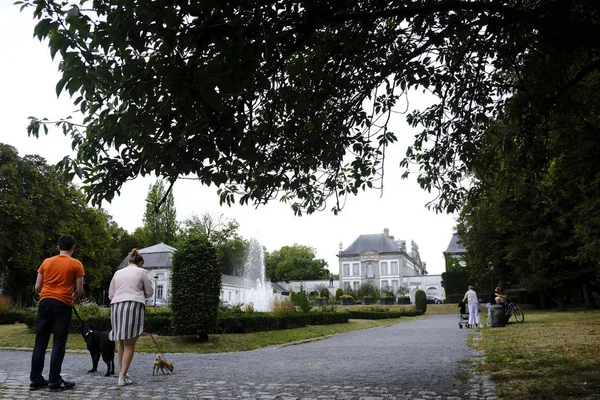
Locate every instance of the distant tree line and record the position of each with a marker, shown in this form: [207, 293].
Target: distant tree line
[37, 207]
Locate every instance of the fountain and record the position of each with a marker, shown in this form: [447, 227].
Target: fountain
[258, 289]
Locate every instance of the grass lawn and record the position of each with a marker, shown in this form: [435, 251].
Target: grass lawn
[17, 335]
[552, 355]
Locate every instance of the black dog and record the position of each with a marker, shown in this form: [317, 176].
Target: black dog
[98, 344]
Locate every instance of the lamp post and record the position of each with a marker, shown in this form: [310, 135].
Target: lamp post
[155, 288]
[340, 246]
[491, 269]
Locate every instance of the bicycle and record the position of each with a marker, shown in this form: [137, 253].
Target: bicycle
[513, 309]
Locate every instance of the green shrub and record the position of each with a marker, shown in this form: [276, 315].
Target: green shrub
[160, 323]
[387, 292]
[301, 299]
[339, 292]
[283, 306]
[402, 291]
[323, 291]
[421, 301]
[8, 317]
[367, 289]
[346, 296]
[196, 285]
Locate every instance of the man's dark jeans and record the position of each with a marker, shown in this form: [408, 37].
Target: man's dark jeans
[52, 315]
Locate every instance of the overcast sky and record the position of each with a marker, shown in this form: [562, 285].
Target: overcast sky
[27, 83]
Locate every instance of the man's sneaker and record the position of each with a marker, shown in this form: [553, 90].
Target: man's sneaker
[38, 385]
[121, 381]
[63, 385]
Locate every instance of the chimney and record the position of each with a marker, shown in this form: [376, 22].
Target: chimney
[386, 232]
[401, 245]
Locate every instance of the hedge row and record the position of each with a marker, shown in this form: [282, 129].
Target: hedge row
[15, 317]
[161, 323]
[259, 322]
[155, 323]
[382, 315]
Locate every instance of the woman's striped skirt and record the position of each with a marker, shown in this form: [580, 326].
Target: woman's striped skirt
[127, 320]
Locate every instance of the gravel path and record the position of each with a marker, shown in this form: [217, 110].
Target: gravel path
[422, 359]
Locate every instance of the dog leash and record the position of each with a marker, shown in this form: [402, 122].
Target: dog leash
[147, 329]
[77, 314]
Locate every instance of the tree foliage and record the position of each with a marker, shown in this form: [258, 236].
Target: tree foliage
[455, 282]
[295, 263]
[160, 218]
[536, 182]
[231, 248]
[293, 99]
[35, 210]
[196, 287]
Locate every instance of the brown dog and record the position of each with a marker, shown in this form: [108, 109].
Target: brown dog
[160, 363]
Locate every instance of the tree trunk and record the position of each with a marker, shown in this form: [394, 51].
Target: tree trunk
[560, 300]
[543, 301]
[587, 296]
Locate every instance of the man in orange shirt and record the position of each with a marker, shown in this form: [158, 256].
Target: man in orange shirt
[59, 281]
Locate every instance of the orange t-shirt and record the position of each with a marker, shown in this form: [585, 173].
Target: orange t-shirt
[60, 273]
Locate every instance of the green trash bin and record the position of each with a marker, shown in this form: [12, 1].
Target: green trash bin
[497, 316]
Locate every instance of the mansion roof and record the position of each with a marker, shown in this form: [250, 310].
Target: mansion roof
[377, 242]
[455, 246]
[157, 256]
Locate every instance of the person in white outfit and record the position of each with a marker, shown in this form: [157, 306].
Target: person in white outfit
[473, 301]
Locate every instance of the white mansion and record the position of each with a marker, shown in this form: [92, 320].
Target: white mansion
[383, 261]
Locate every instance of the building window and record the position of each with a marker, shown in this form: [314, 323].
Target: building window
[383, 265]
[159, 292]
[394, 285]
[384, 284]
[355, 285]
[356, 269]
[394, 267]
[346, 285]
[370, 270]
[346, 269]
[229, 296]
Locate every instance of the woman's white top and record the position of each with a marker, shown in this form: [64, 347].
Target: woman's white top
[471, 297]
[130, 284]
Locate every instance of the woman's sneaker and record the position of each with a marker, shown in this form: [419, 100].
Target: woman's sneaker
[124, 380]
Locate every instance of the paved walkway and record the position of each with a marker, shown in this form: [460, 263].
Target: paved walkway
[422, 359]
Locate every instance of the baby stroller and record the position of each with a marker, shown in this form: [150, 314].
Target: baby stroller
[463, 318]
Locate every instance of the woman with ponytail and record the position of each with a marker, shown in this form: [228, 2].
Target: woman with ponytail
[129, 289]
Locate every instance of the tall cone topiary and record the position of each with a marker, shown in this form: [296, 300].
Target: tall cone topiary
[421, 301]
[195, 288]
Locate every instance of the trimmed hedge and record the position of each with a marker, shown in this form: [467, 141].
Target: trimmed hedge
[161, 323]
[421, 301]
[196, 285]
[260, 322]
[15, 317]
[373, 314]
